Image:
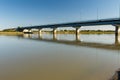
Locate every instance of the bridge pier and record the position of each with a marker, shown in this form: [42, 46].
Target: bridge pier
[39, 31]
[54, 30]
[77, 32]
[117, 35]
[54, 33]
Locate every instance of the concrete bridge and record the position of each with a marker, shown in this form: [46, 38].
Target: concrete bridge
[115, 22]
[77, 25]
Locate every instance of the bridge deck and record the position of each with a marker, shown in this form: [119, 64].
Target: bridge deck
[113, 21]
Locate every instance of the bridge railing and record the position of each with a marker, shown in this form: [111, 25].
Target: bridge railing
[72, 23]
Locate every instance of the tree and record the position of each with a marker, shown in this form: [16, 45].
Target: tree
[19, 29]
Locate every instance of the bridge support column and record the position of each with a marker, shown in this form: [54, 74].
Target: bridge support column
[54, 30]
[117, 35]
[39, 31]
[77, 32]
[54, 33]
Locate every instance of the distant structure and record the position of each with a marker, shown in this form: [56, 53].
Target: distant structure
[77, 25]
[27, 31]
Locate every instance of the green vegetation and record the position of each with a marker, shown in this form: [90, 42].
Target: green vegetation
[9, 30]
[84, 32]
[97, 31]
[19, 29]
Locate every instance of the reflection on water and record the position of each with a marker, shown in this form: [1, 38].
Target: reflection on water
[95, 38]
[58, 57]
[105, 41]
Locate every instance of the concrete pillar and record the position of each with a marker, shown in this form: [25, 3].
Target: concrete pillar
[77, 30]
[77, 33]
[117, 35]
[54, 30]
[54, 34]
[39, 31]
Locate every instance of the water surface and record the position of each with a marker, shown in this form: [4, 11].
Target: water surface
[58, 57]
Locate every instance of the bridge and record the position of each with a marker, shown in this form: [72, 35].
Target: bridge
[115, 22]
[77, 25]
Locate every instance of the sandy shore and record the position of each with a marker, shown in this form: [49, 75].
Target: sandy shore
[11, 33]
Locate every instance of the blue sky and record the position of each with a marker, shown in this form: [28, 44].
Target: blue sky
[15, 13]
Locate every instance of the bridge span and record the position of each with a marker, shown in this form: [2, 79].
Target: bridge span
[77, 25]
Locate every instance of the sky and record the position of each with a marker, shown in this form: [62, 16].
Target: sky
[14, 13]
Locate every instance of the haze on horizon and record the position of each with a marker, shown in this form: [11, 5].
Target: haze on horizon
[16, 13]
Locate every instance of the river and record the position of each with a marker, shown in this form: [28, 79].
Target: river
[58, 57]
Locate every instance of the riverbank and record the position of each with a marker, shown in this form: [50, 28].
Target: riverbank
[82, 32]
[59, 32]
[10, 33]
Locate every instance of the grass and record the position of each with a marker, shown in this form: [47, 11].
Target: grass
[83, 32]
[61, 32]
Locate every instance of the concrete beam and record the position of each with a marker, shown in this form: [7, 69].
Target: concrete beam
[82, 23]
